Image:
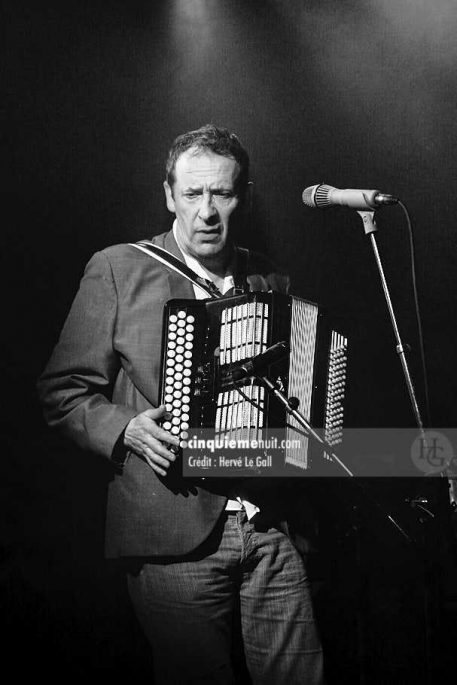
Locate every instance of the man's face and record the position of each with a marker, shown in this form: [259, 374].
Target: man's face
[203, 199]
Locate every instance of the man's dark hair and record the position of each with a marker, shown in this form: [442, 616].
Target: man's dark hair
[217, 140]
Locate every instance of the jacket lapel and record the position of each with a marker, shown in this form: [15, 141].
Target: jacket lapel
[179, 286]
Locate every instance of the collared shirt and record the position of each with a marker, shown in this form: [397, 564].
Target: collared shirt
[195, 265]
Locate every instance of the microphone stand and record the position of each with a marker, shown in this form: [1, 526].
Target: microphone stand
[370, 228]
[291, 406]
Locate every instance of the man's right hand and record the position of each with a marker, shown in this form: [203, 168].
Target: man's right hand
[147, 439]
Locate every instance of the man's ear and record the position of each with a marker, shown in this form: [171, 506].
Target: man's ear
[169, 197]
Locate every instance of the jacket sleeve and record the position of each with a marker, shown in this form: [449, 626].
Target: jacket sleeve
[76, 387]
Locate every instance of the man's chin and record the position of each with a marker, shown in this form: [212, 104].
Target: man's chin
[209, 249]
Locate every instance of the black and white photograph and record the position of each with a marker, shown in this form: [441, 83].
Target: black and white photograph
[229, 266]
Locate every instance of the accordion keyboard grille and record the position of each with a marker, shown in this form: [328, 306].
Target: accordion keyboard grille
[303, 335]
[243, 334]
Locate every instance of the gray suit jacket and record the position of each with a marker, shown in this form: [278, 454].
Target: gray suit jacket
[105, 369]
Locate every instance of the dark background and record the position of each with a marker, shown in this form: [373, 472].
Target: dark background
[354, 94]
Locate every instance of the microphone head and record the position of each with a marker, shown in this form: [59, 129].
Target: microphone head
[318, 196]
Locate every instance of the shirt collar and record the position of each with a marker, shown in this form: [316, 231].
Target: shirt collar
[195, 265]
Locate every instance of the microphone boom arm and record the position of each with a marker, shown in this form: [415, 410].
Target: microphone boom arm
[293, 411]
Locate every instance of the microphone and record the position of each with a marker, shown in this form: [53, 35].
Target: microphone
[259, 362]
[323, 196]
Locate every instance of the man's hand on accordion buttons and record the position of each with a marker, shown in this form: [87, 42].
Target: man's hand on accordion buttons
[146, 438]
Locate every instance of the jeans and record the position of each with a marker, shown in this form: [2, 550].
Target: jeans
[186, 608]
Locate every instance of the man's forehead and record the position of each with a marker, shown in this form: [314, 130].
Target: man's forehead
[205, 165]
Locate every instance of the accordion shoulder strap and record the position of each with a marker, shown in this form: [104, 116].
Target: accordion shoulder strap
[167, 258]
[242, 260]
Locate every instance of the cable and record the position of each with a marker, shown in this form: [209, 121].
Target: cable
[418, 315]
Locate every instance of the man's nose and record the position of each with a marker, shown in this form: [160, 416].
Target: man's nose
[207, 210]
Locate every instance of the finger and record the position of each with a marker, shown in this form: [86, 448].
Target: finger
[156, 413]
[160, 454]
[147, 445]
[155, 467]
[163, 435]
[159, 463]
[143, 427]
[153, 415]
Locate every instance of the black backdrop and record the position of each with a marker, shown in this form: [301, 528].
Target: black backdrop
[356, 94]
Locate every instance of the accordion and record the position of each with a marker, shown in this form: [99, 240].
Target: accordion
[204, 340]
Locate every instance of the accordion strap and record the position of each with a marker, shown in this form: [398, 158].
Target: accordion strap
[167, 258]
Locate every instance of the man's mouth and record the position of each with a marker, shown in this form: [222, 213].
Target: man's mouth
[210, 232]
